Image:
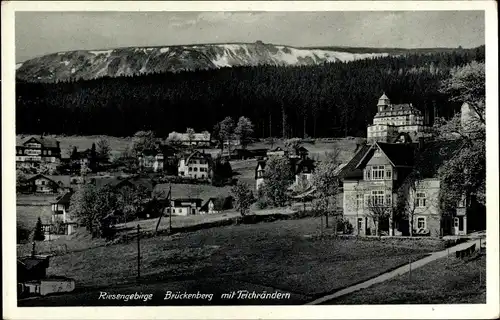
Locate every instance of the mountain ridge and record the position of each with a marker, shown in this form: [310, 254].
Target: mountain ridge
[125, 61]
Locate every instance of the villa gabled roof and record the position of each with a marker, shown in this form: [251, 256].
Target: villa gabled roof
[46, 142]
[350, 170]
[400, 154]
[63, 199]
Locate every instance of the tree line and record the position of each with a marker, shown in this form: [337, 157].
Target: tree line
[333, 99]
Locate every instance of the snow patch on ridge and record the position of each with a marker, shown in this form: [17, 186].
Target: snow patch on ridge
[102, 52]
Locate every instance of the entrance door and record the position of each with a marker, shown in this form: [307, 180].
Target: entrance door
[458, 225]
[361, 230]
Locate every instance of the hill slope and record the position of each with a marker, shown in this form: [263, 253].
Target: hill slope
[88, 64]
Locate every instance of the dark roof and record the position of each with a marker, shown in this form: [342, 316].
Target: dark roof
[301, 149]
[64, 199]
[150, 152]
[178, 202]
[434, 155]
[29, 262]
[62, 181]
[276, 149]
[350, 170]
[405, 135]
[304, 166]
[400, 154]
[197, 155]
[105, 181]
[46, 142]
[262, 164]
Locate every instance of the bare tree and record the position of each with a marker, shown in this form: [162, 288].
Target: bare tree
[379, 207]
[327, 185]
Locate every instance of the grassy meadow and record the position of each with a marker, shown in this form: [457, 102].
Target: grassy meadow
[444, 281]
[281, 254]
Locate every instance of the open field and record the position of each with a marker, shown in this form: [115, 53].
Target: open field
[30, 207]
[119, 144]
[184, 190]
[278, 254]
[447, 281]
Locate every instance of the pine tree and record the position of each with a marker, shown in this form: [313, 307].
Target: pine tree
[39, 234]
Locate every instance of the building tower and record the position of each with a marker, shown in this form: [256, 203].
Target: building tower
[383, 103]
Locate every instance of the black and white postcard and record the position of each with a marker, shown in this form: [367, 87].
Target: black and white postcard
[250, 160]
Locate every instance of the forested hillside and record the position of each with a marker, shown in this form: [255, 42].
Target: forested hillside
[333, 99]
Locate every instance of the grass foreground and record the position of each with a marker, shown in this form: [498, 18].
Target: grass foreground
[445, 281]
[280, 255]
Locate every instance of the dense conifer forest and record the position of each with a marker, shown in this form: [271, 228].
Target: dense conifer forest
[330, 100]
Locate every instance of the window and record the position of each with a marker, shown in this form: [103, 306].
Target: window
[421, 199]
[421, 223]
[190, 169]
[182, 173]
[462, 202]
[359, 201]
[378, 197]
[378, 172]
[367, 174]
[388, 174]
[195, 169]
[203, 176]
[388, 199]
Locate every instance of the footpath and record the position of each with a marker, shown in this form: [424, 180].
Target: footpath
[396, 272]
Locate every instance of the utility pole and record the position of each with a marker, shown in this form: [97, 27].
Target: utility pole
[170, 209]
[138, 252]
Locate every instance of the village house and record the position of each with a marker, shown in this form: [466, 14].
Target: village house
[302, 167]
[195, 165]
[277, 152]
[195, 139]
[259, 174]
[152, 160]
[35, 152]
[391, 119]
[184, 206]
[216, 205]
[60, 215]
[45, 184]
[395, 187]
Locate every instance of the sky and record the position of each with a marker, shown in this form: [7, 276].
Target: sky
[39, 33]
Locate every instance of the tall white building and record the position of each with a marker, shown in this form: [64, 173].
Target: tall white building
[393, 119]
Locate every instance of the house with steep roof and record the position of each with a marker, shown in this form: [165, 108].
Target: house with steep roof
[184, 206]
[45, 184]
[216, 205]
[60, 215]
[259, 174]
[196, 165]
[400, 183]
[151, 159]
[35, 151]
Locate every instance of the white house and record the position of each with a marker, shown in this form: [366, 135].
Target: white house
[259, 174]
[151, 160]
[196, 139]
[184, 206]
[196, 165]
[392, 119]
[60, 213]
